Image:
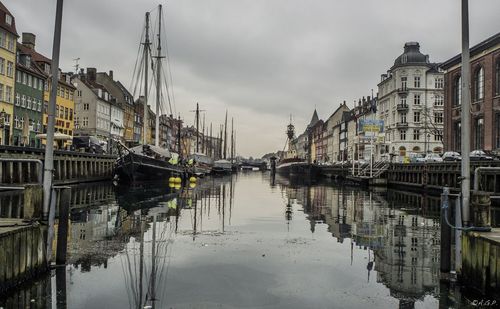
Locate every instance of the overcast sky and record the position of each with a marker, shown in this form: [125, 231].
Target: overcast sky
[260, 59]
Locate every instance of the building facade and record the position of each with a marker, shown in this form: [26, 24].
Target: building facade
[65, 101]
[93, 107]
[28, 104]
[410, 103]
[8, 45]
[485, 97]
[332, 133]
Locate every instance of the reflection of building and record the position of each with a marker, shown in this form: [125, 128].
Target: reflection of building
[408, 262]
[410, 102]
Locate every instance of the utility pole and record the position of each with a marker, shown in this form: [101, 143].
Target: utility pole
[465, 121]
[146, 64]
[48, 206]
[158, 81]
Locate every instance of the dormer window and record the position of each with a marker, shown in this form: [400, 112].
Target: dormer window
[47, 68]
[8, 19]
[28, 61]
[404, 59]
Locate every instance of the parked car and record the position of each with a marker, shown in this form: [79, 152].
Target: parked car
[416, 157]
[433, 157]
[88, 143]
[452, 156]
[477, 155]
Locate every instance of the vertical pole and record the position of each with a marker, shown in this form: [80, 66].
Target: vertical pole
[158, 81]
[465, 126]
[197, 125]
[179, 136]
[146, 68]
[232, 140]
[371, 156]
[445, 259]
[225, 137]
[153, 263]
[458, 236]
[203, 146]
[49, 150]
[62, 230]
[211, 155]
[353, 153]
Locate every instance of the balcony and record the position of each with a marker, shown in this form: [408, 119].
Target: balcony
[402, 91]
[402, 107]
[402, 125]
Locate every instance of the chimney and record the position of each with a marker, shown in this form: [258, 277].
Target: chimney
[29, 40]
[91, 74]
[111, 74]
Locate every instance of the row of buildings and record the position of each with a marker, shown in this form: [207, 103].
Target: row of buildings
[416, 111]
[89, 103]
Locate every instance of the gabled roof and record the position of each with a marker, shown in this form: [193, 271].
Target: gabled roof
[314, 119]
[3, 23]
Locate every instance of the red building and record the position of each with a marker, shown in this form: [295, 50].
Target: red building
[485, 97]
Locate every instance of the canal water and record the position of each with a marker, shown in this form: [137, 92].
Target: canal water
[246, 241]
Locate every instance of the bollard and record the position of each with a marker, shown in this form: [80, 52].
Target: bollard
[445, 257]
[62, 230]
[481, 204]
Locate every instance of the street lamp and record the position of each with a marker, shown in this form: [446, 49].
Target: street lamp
[2, 125]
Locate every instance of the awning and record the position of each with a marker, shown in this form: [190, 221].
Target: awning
[57, 136]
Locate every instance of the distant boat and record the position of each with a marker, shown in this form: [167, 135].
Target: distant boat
[203, 164]
[222, 167]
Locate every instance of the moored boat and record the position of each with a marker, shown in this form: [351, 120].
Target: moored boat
[202, 164]
[222, 167]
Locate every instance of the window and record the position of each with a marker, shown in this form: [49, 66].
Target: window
[497, 129]
[404, 58]
[478, 133]
[39, 105]
[70, 114]
[438, 100]
[78, 93]
[76, 122]
[21, 122]
[35, 82]
[71, 96]
[8, 19]
[85, 106]
[29, 80]
[416, 134]
[10, 69]
[67, 94]
[479, 84]
[416, 116]
[497, 77]
[28, 105]
[402, 135]
[16, 122]
[25, 78]
[1, 92]
[8, 94]
[18, 99]
[403, 101]
[61, 110]
[57, 110]
[18, 77]
[439, 83]
[457, 91]
[416, 99]
[438, 136]
[23, 101]
[2, 38]
[85, 121]
[45, 107]
[403, 117]
[438, 118]
[2, 66]
[66, 113]
[41, 84]
[416, 82]
[403, 82]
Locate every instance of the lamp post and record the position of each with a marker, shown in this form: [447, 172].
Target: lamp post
[2, 125]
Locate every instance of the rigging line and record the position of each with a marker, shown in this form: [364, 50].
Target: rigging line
[138, 53]
[139, 80]
[168, 92]
[168, 62]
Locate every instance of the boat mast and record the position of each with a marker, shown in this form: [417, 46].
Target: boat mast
[225, 137]
[197, 125]
[158, 81]
[203, 146]
[179, 136]
[146, 60]
[211, 142]
[232, 139]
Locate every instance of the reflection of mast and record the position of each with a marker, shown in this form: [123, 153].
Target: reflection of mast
[153, 265]
[141, 262]
[223, 205]
[195, 216]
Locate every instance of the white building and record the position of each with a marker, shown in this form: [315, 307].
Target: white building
[410, 102]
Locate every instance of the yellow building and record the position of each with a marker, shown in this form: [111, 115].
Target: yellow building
[8, 42]
[65, 101]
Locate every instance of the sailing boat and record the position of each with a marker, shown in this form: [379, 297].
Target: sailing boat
[148, 162]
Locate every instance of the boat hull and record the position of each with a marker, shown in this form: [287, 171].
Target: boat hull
[134, 167]
[297, 169]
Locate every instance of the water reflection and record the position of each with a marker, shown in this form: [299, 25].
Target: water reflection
[140, 247]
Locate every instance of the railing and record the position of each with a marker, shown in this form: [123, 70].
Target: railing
[402, 125]
[402, 90]
[402, 107]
